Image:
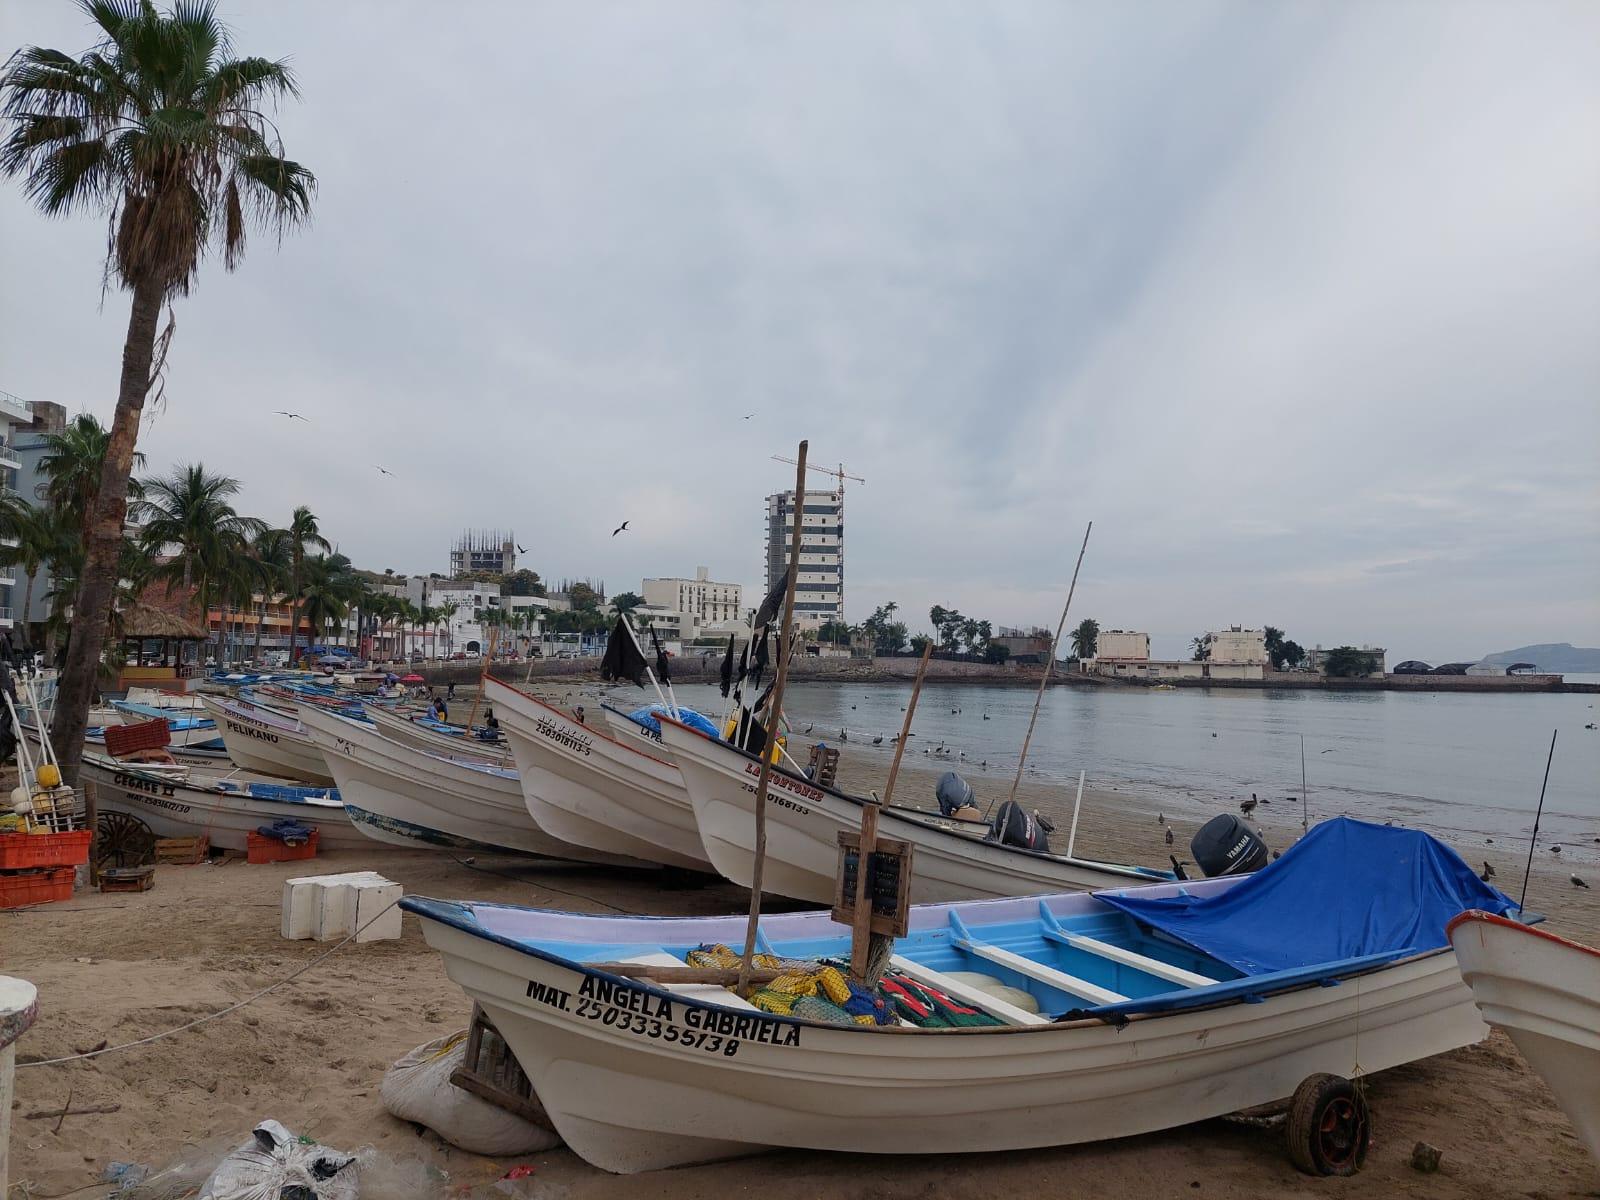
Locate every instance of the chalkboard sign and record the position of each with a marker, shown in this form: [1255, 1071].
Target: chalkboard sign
[888, 884]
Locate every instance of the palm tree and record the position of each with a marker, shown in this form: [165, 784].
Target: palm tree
[161, 130]
[1086, 638]
[273, 558]
[42, 535]
[322, 594]
[302, 532]
[190, 509]
[72, 463]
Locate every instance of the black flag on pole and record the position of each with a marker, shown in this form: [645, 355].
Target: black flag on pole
[622, 658]
[758, 660]
[727, 668]
[661, 660]
[772, 606]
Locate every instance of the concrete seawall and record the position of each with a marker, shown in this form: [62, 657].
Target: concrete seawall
[902, 670]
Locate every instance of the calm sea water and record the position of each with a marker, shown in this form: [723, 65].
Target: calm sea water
[1452, 763]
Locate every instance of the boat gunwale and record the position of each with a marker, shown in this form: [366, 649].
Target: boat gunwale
[457, 914]
[587, 728]
[476, 766]
[1478, 916]
[924, 821]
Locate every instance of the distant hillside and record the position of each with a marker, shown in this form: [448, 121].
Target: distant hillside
[1554, 657]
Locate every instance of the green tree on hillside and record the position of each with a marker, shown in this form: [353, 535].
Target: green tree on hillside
[1347, 662]
[162, 130]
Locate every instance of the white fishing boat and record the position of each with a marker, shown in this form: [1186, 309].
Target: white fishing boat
[261, 739]
[592, 789]
[1157, 1007]
[1544, 991]
[415, 729]
[405, 795]
[226, 806]
[953, 859]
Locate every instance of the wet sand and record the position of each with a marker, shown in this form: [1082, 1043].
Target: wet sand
[120, 967]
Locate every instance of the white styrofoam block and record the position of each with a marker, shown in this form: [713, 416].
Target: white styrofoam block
[372, 898]
[302, 897]
[336, 911]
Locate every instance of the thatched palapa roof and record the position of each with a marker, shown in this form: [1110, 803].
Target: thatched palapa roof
[144, 621]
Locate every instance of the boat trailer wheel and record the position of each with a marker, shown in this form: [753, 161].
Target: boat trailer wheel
[1329, 1128]
[123, 840]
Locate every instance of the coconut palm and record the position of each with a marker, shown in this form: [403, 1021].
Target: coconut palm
[37, 536]
[162, 131]
[72, 463]
[322, 594]
[273, 559]
[1086, 638]
[303, 532]
[190, 510]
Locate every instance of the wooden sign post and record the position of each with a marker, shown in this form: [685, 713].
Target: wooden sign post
[872, 868]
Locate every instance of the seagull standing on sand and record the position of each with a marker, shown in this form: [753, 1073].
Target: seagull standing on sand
[1488, 872]
[1247, 806]
[1577, 882]
[619, 529]
[1169, 836]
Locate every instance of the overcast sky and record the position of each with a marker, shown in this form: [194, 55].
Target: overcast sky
[1299, 302]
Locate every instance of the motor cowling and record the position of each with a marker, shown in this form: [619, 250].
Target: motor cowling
[1226, 845]
[1015, 826]
[953, 792]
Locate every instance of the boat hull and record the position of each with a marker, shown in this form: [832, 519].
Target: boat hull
[587, 787]
[260, 740]
[403, 729]
[174, 809]
[414, 790]
[804, 821]
[1544, 991]
[634, 1077]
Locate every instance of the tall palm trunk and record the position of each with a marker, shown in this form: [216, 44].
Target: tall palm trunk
[103, 533]
[27, 607]
[294, 606]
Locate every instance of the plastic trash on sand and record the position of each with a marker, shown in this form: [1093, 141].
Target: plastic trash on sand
[418, 1088]
[275, 1163]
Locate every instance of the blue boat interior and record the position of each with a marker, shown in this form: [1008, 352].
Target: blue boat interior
[1347, 898]
[284, 793]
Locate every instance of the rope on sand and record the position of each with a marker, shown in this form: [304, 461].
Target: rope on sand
[272, 987]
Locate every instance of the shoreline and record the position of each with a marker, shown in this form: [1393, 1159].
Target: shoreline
[881, 671]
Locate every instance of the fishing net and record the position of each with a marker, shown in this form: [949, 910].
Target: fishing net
[806, 988]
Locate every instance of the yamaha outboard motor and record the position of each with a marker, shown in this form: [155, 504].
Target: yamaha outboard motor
[1225, 845]
[953, 792]
[1014, 827]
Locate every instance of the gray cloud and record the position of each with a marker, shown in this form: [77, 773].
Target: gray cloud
[1297, 303]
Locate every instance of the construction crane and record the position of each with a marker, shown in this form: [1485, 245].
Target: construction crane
[836, 472]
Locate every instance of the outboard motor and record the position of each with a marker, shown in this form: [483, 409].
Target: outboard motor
[953, 792]
[1225, 845]
[1013, 826]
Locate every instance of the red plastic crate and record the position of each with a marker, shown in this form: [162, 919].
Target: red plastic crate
[36, 887]
[22, 850]
[261, 849]
[147, 735]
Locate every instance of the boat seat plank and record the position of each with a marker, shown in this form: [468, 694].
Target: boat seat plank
[1071, 984]
[708, 993]
[963, 938]
[1131, 958]
[970, 996]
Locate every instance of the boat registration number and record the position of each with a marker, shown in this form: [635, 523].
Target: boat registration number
[629, 1010]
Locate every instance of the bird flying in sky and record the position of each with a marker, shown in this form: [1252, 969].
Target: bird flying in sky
[293, 416]
[619, 529]
[520, 550]
[385, 470]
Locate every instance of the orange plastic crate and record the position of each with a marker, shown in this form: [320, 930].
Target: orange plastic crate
[22, 850]
[261, 849]
[36, 887]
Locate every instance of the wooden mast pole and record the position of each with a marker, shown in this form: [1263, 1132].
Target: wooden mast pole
[861, 931]
[1050, 662]
[774, 721]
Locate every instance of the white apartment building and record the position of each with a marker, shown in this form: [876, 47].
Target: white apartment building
[13, 413]
[1122, 644]
[819, 586]
[1236, 644]
[466, 627]
[709, 602]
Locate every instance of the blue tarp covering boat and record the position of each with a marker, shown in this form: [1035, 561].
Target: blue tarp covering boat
[1347, 890]
[649, 717]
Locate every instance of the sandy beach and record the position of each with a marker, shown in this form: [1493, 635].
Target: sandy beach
[311, 1054]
